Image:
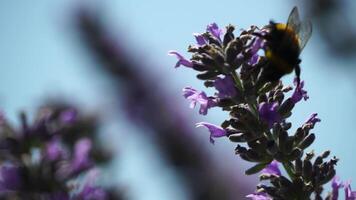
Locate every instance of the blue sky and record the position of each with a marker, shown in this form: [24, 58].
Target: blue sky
[39, 56]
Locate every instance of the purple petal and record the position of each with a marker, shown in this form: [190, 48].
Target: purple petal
[214, 30]
[53, 150]
[200, 39]
[215, 131]
[349, 194]
[181, 60]
[259, 196]
[198, 97]
[272, 169]
[225, 86]
[68, 116]
[336, 184]
[299, 93]
[313, 119]
[254, 60]
[257, 44]
[268, 113]
[81, 159]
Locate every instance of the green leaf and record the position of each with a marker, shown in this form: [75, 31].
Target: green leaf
[255, 169]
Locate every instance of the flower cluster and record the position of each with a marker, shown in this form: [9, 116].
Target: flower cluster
[55, 157]
[259, 110]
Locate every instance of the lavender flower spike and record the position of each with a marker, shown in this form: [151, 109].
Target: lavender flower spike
[299, 93]
[214, 30]
[268, 113]
[215, 131]
[259, 196]
[272, 169]
[198, 97]
[336, 184]
[181, 60]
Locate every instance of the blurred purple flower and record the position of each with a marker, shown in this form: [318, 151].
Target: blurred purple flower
[89, 190]
[10, 178]
[272, 169]
[81, 159]
[268, 113]
[336, 184]
[68, 116]
[215, 131]
[225, 86]
[259, 196]
[54, 150]
[201, 40]
[299, 93]
[198, 97]
[214, 30]
[181, 60]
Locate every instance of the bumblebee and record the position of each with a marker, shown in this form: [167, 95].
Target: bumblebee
[284, 45]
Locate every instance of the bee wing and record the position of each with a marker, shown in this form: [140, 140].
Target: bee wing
[294, 21]
[304, 34]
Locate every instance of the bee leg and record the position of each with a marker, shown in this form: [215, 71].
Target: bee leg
[297, 73]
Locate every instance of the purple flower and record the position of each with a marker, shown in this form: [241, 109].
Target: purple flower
[53, 150]
[10, 178]
[198, 97]
[268, 113]
[259, 196]
[253, 60]
[349, 194]
[201, 40]
[214, 30]
[313, 119]
[215, 131]
[68, 116]
[181, 60]
[81, 159]
[256, 44]
[336, 184]
[225, 86]
[299, 93]
[272, 169]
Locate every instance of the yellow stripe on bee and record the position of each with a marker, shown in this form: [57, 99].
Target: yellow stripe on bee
[278, 62]
[289, 30]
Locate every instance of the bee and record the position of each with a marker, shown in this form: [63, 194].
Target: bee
[285, 42]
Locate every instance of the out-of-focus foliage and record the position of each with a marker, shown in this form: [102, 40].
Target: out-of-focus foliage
[55, 156]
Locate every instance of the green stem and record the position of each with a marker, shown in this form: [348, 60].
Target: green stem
[289, 170]
[237, 81]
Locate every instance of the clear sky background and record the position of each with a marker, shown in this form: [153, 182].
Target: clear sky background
[39, 56]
